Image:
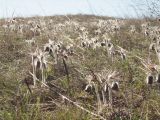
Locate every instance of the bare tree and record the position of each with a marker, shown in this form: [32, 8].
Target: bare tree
[146, 8]
[153, 7]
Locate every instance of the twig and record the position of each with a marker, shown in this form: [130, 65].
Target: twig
[74, 103]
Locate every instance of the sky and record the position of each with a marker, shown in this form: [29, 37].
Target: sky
[26, 8]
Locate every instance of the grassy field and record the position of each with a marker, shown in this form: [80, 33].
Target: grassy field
[79, 67]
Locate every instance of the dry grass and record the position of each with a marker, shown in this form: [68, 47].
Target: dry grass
[63, 96]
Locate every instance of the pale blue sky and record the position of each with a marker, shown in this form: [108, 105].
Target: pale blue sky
[118, 8]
